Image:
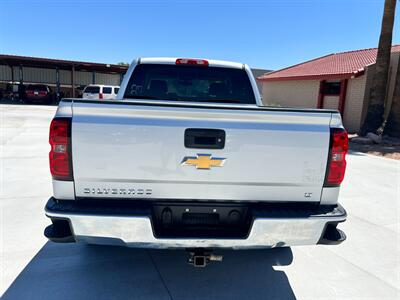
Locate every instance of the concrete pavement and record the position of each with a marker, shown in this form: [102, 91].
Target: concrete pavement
[366, 266]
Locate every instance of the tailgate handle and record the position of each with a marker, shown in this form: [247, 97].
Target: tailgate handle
[204, 138]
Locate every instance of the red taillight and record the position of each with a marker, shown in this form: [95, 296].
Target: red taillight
[100, 96]
[29, 92]
[191, 61]
[339, 146]
[42, 93]
[60, 153]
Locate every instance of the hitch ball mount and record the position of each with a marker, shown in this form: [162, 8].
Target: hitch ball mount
[200, 258]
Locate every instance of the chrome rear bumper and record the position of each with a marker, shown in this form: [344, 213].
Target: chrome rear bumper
[95, 227]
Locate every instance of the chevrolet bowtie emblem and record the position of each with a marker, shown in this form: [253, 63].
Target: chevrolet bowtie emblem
[203, 161]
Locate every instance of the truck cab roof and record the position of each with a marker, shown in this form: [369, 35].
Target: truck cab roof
[173, 61]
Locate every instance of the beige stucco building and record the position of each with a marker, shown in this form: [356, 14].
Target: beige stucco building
[337, 81]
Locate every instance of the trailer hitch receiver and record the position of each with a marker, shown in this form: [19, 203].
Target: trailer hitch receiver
[200, 258]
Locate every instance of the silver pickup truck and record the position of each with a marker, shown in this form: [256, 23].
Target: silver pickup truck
[188, 157]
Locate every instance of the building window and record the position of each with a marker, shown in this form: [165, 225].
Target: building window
[331, 88]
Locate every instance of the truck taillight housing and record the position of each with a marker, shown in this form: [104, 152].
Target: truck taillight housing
[60, 153]
[100, 96]
[339, 145]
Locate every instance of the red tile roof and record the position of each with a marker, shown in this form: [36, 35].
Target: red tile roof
[336, 65]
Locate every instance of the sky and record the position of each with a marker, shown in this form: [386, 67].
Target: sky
[264, 34]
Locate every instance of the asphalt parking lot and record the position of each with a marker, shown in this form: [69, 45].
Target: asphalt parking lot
[366, 266]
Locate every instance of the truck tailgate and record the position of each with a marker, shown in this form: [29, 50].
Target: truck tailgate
[136, 151]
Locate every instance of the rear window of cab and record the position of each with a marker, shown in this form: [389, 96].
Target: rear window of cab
[190, 83]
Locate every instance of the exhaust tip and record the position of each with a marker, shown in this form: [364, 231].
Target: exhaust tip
[332, 235]
[59, 231]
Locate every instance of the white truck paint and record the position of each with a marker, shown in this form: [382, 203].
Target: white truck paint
[132, 149]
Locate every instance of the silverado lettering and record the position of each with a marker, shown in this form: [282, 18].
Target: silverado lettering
[113, 191]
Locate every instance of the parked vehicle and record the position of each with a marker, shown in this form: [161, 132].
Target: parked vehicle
[79, 91]
[100, 92]
[189, 158]
[38, 93]
[10, 93]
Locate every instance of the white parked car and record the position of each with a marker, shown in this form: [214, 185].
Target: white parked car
[97, 91]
